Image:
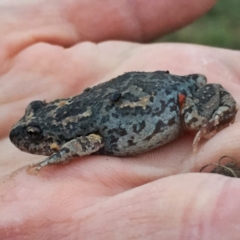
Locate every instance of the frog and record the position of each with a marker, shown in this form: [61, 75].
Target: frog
[128, 115]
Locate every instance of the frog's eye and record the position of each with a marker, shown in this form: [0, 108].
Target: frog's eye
[34, 133]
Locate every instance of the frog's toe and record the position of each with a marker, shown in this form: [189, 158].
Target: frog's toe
[209, 129]
[197, 138]
[34, 168]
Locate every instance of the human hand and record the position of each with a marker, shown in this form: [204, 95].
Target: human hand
[101, 197]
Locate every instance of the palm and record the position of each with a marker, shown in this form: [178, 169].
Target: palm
[91, 194]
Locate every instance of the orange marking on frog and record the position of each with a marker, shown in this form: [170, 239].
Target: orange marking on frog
[181, 100]
[54, 146]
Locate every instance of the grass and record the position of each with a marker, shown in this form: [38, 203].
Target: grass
[220, 27]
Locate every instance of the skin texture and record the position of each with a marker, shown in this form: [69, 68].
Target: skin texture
[157, 195]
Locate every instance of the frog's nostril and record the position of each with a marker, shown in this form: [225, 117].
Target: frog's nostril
[13, 134]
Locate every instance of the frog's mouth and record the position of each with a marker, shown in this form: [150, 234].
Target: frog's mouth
[34, 148]
[38, 149]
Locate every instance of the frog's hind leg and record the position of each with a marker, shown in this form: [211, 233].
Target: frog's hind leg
[78, 147]
[211, 109]
[221, 118]
[212, 127]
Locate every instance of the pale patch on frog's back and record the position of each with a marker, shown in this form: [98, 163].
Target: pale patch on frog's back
[143, 102]
[71, 119]
[77, 118]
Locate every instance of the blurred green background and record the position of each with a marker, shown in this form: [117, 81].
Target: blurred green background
[220, 27]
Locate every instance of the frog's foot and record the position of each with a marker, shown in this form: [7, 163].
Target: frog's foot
[210, 129]
[78, 147]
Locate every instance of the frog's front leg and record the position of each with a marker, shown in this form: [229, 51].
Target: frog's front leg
[211, 109]
[78, 147]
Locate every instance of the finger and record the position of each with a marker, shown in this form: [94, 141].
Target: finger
[64, 23]
[179, 207]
